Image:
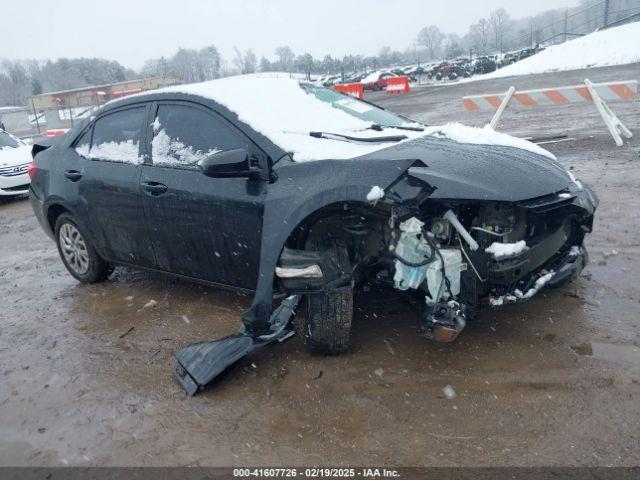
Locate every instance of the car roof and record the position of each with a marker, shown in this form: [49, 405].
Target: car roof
[274, 111]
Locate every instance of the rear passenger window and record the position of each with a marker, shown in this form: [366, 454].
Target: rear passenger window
[183, 136]
[116, 137]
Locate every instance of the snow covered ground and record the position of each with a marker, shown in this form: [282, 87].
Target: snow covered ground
[615, 46]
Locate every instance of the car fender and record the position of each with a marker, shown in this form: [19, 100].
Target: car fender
[301, 190]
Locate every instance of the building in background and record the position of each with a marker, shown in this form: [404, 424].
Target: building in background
[55, 110]
[15, 119]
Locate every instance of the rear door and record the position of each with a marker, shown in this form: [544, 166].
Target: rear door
[201, 227]
[110, 185]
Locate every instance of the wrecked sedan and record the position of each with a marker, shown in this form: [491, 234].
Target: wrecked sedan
[287, 189]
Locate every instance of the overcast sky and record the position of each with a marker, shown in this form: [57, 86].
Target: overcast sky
[132, 31]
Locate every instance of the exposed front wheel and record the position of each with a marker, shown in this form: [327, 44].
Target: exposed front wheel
[329, 314]
[77, 254]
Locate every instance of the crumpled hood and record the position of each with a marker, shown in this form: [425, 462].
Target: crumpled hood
[479, 172]
[10, 157]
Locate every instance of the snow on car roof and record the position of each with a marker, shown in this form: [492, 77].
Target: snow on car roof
[282, 111]
[277, 107]
[373, 76]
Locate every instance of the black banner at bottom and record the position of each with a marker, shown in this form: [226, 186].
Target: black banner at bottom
[215, 473]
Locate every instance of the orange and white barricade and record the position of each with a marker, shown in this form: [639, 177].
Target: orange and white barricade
[353, 89]
[598, 93]
[54, 132]
[398, 84]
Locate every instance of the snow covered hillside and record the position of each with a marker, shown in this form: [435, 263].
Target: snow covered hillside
[615, 46]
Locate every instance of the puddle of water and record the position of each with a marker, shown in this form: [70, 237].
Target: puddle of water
[609, 352]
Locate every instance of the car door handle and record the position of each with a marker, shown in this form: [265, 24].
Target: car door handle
[73, 175]
[154, 188]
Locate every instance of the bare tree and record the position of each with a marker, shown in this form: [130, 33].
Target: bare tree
[431, 37]
[453, 46]
[185, 65]
[286, 58]
[18, 81]
[209, 59]
[384, 56]
[500, 24]
[480, 35]
[246, 62]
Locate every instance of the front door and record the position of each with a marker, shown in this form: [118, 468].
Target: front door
[201, 227]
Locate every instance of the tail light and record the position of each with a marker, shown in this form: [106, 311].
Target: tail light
[31, 171]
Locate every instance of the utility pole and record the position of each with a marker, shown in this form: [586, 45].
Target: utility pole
[606, 13]
[531, 34]
[566, 14]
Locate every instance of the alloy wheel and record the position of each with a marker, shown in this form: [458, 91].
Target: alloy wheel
[74, 248]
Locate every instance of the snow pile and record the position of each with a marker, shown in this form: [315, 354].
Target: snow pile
[376, 193]
[615, 46]
[448, 392]
[124, 152]
[502, 300]
[485, 136]
[168, 151]
[506, 250]
[575, 251]
[541, 282]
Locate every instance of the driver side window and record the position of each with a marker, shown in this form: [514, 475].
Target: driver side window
[184, 135]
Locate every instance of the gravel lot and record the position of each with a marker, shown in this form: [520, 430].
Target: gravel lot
[86, 379]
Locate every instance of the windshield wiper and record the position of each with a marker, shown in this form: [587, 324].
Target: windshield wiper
[378, 128]
[347, 138]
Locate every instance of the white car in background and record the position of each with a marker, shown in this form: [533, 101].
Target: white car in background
[15, 157]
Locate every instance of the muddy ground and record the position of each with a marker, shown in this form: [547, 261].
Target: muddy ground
[85, 370]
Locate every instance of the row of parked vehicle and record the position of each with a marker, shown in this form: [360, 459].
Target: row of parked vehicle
[446, 70]
[374, 81]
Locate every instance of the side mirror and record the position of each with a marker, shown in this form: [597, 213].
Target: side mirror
[230, 163]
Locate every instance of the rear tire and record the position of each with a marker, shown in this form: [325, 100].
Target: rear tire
[77, 253]
[330, 314]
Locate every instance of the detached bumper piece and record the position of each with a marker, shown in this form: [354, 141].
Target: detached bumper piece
[199, 363]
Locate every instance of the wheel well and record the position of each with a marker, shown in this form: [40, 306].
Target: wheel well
[329, 214]
[53, 213]
[344, 221]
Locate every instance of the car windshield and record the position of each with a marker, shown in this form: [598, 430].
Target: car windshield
[7, 141]
[356, 108]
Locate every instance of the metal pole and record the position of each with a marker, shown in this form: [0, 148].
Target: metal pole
[606, 13]
[35, 115]
[502, 107]
[566, 13]
[531, 34]
[613, 123]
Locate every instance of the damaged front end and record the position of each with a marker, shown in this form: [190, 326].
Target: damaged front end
[466, 254]
[424, 232]
[459, 255]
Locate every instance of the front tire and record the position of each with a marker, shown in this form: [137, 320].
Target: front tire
[329, 314]
[77, 253]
